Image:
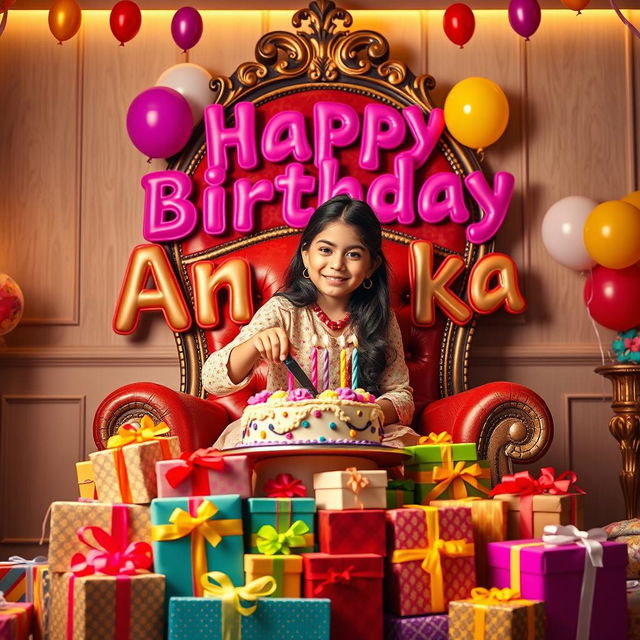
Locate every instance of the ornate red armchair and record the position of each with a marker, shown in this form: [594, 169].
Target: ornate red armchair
[324, 62]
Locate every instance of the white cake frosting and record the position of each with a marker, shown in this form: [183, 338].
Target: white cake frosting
[343, 416]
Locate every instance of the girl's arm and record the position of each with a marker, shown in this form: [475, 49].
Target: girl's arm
[270, 344]
[389, 411]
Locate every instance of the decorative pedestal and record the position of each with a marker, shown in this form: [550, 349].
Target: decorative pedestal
[625, 427]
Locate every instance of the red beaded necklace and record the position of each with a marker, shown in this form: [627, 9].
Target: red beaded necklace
[332, 324]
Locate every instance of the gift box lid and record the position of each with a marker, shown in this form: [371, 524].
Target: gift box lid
[258, 563]
[271, 505]
[433, 452]
[552, 559]
[339, 479]
[544, 503]
[359, 565]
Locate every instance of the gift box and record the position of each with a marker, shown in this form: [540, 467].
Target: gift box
[353, 583]
[489, 519]
[286, 570]
[430, 558]
[86, 481]
[628, 531]
[129, 522]
[101, 607]
[399, 493]
[16, 620]
[435, 627]
[496, 614]
[555, 572]
[280, 525]
[23, 580]
[350, 489]
[194, 535]
[272, 619]
[446, 470]
[633, 609]
[203, 473]
[126, 470]
[352, 531]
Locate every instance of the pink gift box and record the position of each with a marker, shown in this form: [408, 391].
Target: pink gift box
[202, 474]
[16, 619]
[554, 575]
[408, 586]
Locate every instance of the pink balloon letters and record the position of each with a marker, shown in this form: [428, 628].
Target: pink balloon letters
[395, 196]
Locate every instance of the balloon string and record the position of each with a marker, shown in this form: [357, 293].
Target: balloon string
[635, 32]
[593, 323]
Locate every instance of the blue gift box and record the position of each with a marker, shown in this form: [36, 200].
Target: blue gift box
[177, 558]
[273, 619]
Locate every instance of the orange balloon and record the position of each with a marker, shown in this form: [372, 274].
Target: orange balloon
[65, 18]
[575, 5]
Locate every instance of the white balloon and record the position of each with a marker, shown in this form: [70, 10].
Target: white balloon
[562, 229]
[192, 81]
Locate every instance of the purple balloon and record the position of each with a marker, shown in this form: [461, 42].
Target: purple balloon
[159, 122]
[524, 17]
[186, 27]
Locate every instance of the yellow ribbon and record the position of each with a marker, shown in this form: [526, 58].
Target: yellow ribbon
[458, 475]
[484, 598]
[431, 555]
[147, 432]
[435, 438]
[514, 572]
[200, 527]
[231, 606]
[270, 542]
[356, 482]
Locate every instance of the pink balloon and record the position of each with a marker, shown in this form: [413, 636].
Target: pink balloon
[293, 183]
[611, 295]
[398, 185]
[186, 27]
[432, 209]
[383, 127]
[524, 17]
[493, 202]
[159, 122]
[330, 184]
[327, 136]
[276, 148]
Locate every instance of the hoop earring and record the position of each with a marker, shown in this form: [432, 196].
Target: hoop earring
[305, 273]
[364, 283]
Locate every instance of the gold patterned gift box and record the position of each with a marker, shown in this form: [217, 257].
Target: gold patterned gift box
[101, 607]
[496, 614]
[287, 571]
[126, 470]
[131, 521]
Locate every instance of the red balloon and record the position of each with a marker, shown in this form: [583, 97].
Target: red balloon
[611, 295]
[459, 23]
[5, 5]
[125, 21]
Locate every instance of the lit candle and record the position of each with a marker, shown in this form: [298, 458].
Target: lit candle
[354, 363]
[291, 382]
[343, 361]
[314, 361]
[325, 362]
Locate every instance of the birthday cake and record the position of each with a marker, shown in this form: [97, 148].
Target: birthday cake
[343, 416]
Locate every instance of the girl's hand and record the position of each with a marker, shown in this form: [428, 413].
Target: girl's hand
[272, 344]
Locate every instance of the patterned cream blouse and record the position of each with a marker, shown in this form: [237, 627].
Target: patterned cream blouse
[301, 325]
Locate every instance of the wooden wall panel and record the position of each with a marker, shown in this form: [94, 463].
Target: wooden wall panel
[41, 437]
[39, 241]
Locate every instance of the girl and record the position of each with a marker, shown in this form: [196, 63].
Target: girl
[336, 288]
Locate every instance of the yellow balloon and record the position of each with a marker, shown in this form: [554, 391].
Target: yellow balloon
[65, 18]
[476, 112]
[612, 234]
[632, 198]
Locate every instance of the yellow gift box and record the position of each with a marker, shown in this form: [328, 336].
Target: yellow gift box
[86, 480]
[496, 614]
[286, 570]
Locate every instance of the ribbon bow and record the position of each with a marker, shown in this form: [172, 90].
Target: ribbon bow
[523, 483]
[129, 434]
[199, 458]
[231, 597]
[284, 485]
[493, 595]
[402, 485]
[21, 560]
[436, 438]
[458, 475]
[270, 542]
[108, 556]
[334, 577]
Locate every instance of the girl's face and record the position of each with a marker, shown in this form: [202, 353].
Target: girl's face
[338, 263]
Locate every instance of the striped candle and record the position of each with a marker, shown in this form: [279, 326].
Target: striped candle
[343, 361]
[314, 360]
[325, 362]
[354, 363]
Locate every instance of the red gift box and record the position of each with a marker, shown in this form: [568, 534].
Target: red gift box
[16, 619]
[353, 583]
[352, 531]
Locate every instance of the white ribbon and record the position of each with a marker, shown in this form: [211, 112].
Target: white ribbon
[18, 560]
[3, 601]
[592, 541]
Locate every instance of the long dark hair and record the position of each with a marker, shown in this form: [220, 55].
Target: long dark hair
[369, 308]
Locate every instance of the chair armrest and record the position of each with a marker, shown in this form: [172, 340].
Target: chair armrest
[509, 422]
[195, 421]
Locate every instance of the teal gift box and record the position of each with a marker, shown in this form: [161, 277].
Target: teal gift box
[194, 535]
[446, 471]
[270, 518]
[273, 619]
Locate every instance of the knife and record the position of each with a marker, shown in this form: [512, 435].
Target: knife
[300, 375]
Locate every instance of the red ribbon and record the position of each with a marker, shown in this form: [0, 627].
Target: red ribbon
[523, 484]
[285, 486]
[197, 465]
[334, 577]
